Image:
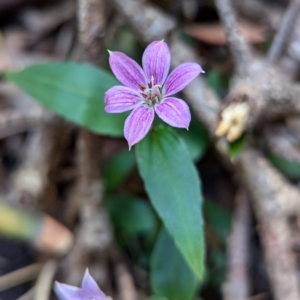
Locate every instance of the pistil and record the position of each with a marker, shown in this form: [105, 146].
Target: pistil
[152, 95]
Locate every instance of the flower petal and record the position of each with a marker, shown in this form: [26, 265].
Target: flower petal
[138, 124]
[120, 98]
[175, 112]
[69, 292]
[181, 77]
[127, 70]
[90, 286]
[156, 62]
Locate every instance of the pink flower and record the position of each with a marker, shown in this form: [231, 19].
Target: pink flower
[89, 290]
[148, 90]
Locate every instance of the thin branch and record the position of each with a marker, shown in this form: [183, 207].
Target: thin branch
[44, 282]
[94, 233]
[153, 23]
[31, 180]
[92, 15]
[28, 295]
[237, 281]
[24, 115]
[239, 47]
[285, 31]
[280, 260]
[11, 61]
[19, 276]
[260, 12]
[96, 230]
[269, 186]
[98, 233]
[268, 192]
[125, 282]
[281, 141]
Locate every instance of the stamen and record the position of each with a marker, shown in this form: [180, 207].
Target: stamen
[153, 94]
[152, 81]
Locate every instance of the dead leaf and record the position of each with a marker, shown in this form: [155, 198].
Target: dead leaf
[213, 33]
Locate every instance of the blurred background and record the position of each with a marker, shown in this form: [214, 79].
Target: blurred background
[71, 199]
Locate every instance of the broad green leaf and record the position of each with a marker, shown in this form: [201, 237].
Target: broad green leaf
[218, 218]
[172, 182]
[155, 297]
[216, 81]
[290, 169]
[218, 224]
[171, 276]
[136, 225]
[118, 168]
[236, 147]
[216, 272]
[131, 214]
[74, 91]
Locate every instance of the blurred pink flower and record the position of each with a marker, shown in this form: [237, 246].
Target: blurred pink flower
[89, 290]
[148, 90]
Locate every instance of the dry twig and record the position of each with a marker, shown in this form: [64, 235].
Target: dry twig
[19, 276]
[94, 235]
[285, 31]
[42, 156]
[43, 284]
[259, 11]
[269, 189]
[283, 142]
[125, 283]
[237, 43]
[237, 282]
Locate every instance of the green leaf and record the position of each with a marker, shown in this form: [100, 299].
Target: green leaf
[219, 219]
[171, 276]
[216, 272]
[218, 225]
[216, 81]
[118, 168]
[290, 169]
[236, 147]
[196, 139]
[172, 182]
[155, 297]
[136, 226]
[131, 215]
[74, 91]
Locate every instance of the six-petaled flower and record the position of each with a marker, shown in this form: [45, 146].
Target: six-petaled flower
[147, 91]
[89, 290]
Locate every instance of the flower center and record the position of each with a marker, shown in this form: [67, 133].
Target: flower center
[151, 95]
